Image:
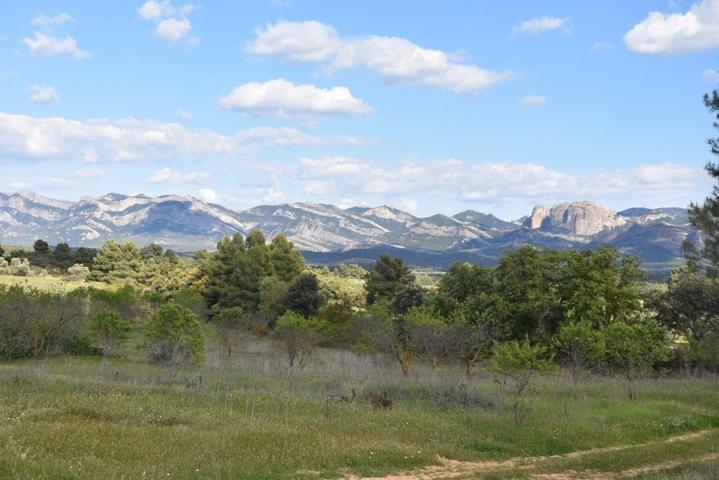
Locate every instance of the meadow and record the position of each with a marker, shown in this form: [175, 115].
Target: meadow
[250, 416]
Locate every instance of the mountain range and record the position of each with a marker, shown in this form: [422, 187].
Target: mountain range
[329, 234]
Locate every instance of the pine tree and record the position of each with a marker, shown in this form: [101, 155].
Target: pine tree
[287, 262]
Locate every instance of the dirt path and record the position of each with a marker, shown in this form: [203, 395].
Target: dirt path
[455, 469]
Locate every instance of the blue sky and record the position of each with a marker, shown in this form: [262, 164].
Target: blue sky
[427, 106]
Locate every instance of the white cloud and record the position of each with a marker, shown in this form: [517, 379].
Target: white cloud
[208, 195]
[543, 24]
[667, 33]
[48, 23]
[395, 59]
[171, 23]
[91, 172]
[42, 94]
[166, 175]
[602, 46]
[280, 98]
[498, 182]
[711, 76]
[533, 100]
[316, 187]
[181, 114]
[132, 139]
[45, 183]
[407, 204]
[45, 45]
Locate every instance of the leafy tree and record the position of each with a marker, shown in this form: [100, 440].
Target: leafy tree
[579, 347]
[470, 342]
[41, 247]
[690, 305]
[600, 286]
[408, 296]
[705, 216]
[109, 330]
[286, 261]
[298, 336]
[516, 363]
[152, 250]
[85, 256]
[426, 334]
[2, 251]
[273, 297]
[633, 349]
[303, 295]
[525, 300]
[117, 263]
[62, 253]
[386, 279]
[175, 335]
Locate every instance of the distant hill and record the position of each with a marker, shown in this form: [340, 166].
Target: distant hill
[329, 234]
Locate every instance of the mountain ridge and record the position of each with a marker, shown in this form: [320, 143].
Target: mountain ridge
[187, 223]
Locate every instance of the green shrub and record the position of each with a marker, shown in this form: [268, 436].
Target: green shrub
[109, 330]
[175, 336]
[298, 336]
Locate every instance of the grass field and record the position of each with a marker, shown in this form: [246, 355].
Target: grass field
[48, 283]
[251, 417]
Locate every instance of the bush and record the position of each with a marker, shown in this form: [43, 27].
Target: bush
[516, 364]
[109, 330]
[633, 349]
[579, 347]
[298, 336]
[20, 267]
[78, 270]
[34, 323]
[175, 336]
[231, 322]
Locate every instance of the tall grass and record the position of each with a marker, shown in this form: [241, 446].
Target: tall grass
[253, 417]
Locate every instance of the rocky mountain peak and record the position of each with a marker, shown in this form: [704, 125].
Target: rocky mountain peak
[581, 218]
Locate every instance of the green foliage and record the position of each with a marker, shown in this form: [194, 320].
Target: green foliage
[600, 286]
[705, 216]
[633, 349]
[690, 305]
[286, 261]
[231, 322]
[175, 336]
[303, 295]
[516, 363]
[579, 347]
[109, 330]
[298, 336]
[386, 279]
[35, 323]
[41, 246]
[117, 263]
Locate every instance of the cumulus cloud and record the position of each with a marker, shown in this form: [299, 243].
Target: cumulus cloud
[497, 182]
[543, 24]
[132, 139]
[171, 22]
[166, 175]
[49, 22]
[48, 183]
[42, 94]
[46, 45]
[673, 33]
[91, 172]
[396, 60]
[533, 100]
[281, 98]
[208, 195]
[710, 75]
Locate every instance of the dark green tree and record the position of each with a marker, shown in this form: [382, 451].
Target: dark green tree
[153, 250]
[62, 255]
[41, 247]
[386, 279]
[705, 216]
[303, 296]
[286, 261]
